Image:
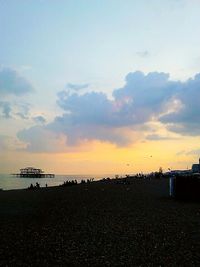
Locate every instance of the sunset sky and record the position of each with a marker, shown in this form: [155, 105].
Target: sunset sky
[98, 86]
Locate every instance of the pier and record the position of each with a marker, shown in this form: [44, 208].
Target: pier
[30, 172]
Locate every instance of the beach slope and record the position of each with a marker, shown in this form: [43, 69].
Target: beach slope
[99, 224]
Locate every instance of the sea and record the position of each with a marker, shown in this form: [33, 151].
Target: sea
[9, 182]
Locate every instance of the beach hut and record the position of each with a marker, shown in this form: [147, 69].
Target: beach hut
[185, 187]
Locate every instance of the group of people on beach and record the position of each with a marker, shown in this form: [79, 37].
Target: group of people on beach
[74, 182]
[117, 179]
[66, 183]
[36, 186]
[69, 183]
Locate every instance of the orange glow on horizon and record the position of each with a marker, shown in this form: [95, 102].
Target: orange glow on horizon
[105, 158]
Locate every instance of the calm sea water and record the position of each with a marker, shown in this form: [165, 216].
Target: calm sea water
[8, 182]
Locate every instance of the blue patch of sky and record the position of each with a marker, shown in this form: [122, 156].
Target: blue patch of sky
[97, 41]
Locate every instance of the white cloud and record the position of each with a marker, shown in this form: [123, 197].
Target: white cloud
[143, 98]
[186, 120]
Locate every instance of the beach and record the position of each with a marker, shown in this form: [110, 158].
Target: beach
[102, 223]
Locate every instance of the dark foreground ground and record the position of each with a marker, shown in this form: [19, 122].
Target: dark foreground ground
[99, 224]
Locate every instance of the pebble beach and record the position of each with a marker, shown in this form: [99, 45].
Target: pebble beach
[99, 224]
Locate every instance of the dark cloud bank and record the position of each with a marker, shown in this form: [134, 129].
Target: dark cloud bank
[143, 98]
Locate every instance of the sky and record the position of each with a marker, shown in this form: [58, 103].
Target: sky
[99, 87]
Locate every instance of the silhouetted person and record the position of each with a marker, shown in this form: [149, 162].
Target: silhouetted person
[31, 186]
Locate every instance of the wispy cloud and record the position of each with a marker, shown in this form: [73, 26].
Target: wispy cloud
[180, 153]
[5, 109]
[156, 137]
[11, 83]
[143, 54]
[8, 143]
[194, 152]
[39, 119]
[77, 87]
